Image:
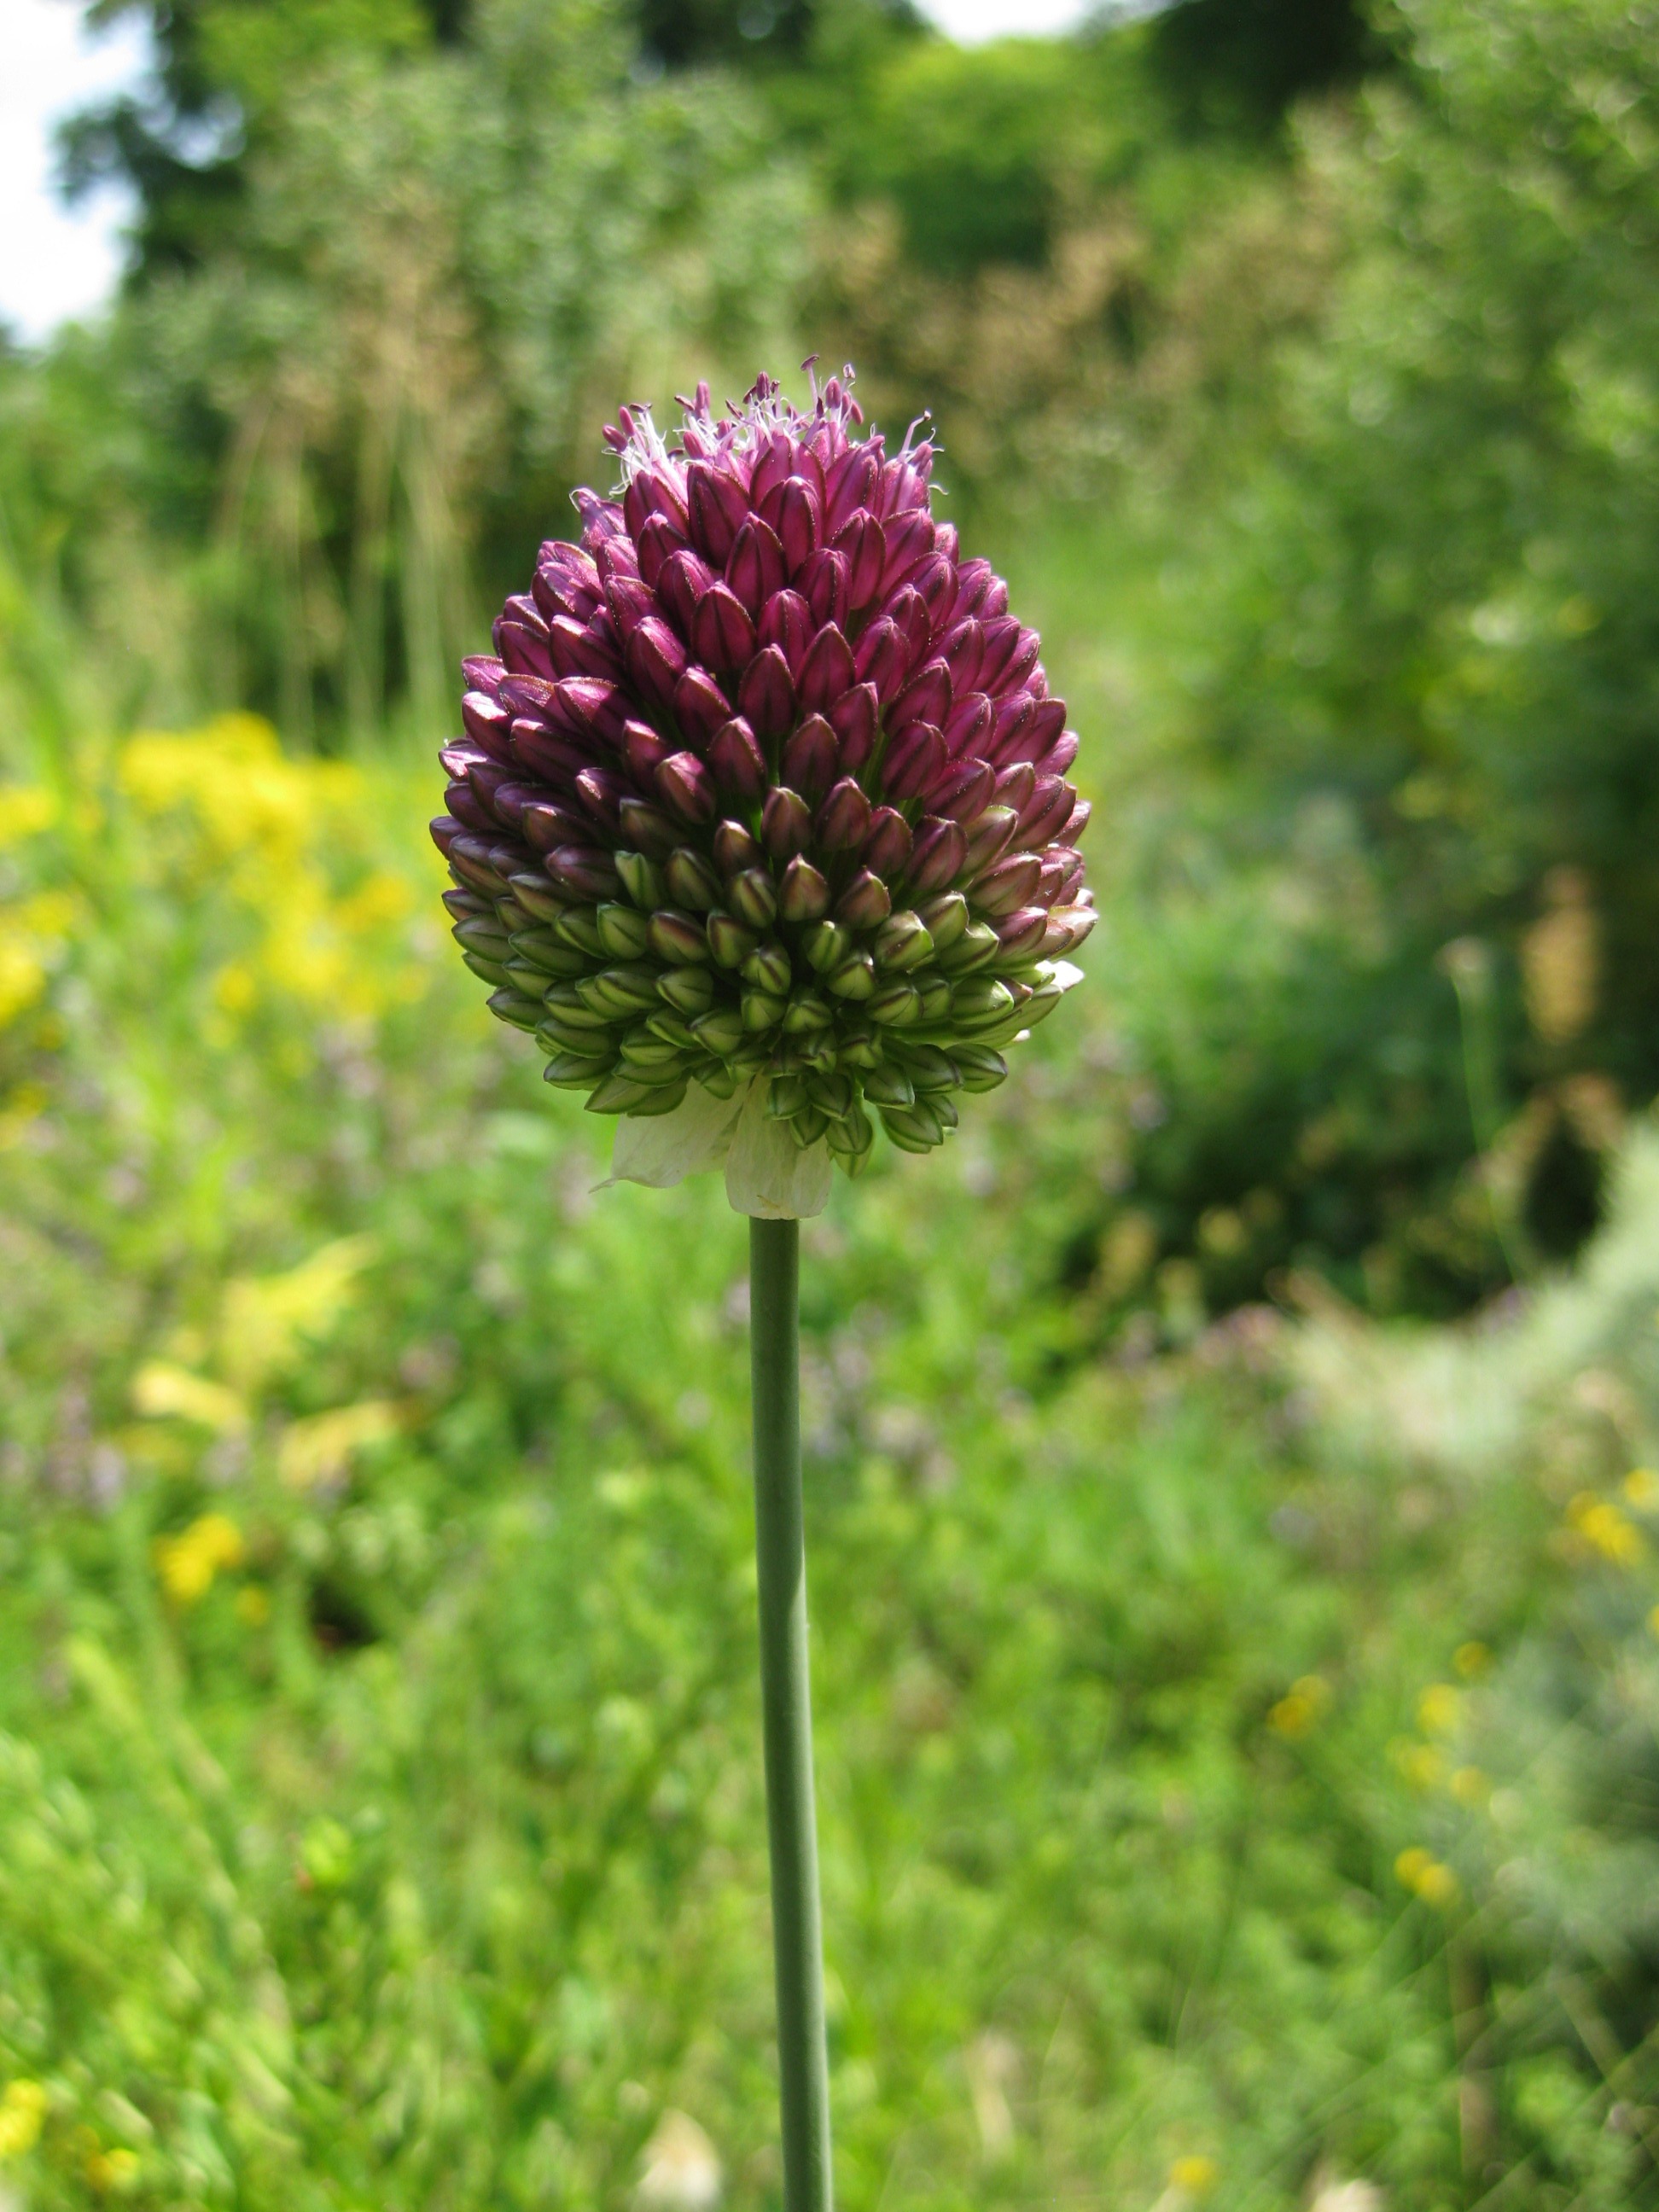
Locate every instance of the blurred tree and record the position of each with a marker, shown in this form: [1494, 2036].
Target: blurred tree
[1235, 64]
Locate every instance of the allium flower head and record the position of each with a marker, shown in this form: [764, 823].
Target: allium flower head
[761, 822]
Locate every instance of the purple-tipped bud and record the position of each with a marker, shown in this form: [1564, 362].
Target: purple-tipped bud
[826, 672]
[601, 792]
[990, 837]
[730, 941]
[1079, 821]
[469, 809]
[863, 545]
[887, 847]
[721, 628]
[963, 650]
[796, 521]
[882, 657]
[1014, 786]
[810, 757]
[915, 760]
[903, 941]
[865, 901]
[1021, 932]
[1007, 884]
[939, 855]
[765, 695]
[823, 582]
[643, 752]
[786, 623]
[925, 697]
[584, 870]
[804, 895]
[755, 567]
[658, 542]
[680, 588]
[546, 826]
[596, 708]
[849, 486]
[699, 706]
[734, 849]
[687, 789]
[1060, 755]
[844, 818]
[964, 792]
[717, 509]
[646, 829]
[691, 881]
[679, 939]
[487, 722]
[737, 762]
[786, 823]
[630, 600]
[1047, 811]
[855, 718]
[753, 898]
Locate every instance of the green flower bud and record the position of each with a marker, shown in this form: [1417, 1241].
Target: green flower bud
[753, 898]
[719, 1033]
[851, 1135]
[833, 1094]
[566, 1006]
[544, 951]
[785, 1096]
[806, 1012]
[896, 1004]
[642, 880]
[768, 969]
[674, 1028]
[826, 946]
[901, 942]
[929, 1069]
[691, 881]
[492, 971]
[677, 939]
[976, 944]
[888, 1085]
[508, 1006]
[936, 996]
[729, 941]
[762, 1010]
[855, 978]
[980, 997]
[808, 1127]
[981, 1069]
[689, 991]
[623, 931]
[579, 925]
[482, 938]
[537, 897]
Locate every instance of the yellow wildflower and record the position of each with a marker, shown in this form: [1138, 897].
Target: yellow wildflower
[1439, 1710]
[1471, 1660]
[188, 1564]
[1194, 2176]
[1641, 1488]
[22, 2109]
[1606, 1529]
[112, 2172]
[1424, 1875]
[26, 809]
[1470, 1786]
[1296, 1711]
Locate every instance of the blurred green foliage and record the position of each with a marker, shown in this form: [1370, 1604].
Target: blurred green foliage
[1235, 1767]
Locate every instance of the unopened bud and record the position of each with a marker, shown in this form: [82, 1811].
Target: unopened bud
[768, 969]
[677, 938]
[902, 942]
[752, 896]
[804, 895]
[691, 882]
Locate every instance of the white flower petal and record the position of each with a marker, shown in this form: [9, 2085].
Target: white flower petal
[766, 1173]
[662, 1149]
[1065, 974]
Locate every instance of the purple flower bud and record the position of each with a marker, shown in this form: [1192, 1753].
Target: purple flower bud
[629, 600]
[823, 583]
[699, 706]
[646, 829]
[826, 672]
[755, 568]
[848, 486]
[1060, 755]
[656, 660]
[964, 792]
[796, 520]
[804, 895]
[735, 849]
[686, 788]
[863, 545]
[722, 629]
[925, 697]
[855, 720]
[765, 695]
[935, 584]
[1013, 720]
[989, 838]
[556, 760]
[680, 586]
[786, 623]
[599, 708]
[546, 826]
[865, 901]
[882, 658]
[1047, 811]
[522, 650]
[576, 649]
[467, 808]
[644, 751]
[907, 610]
[909, 540]
[786, 823]
[718, 509]
[601, 792]
[584, 870]
[691, 881]
[1007, 884]
[940, 854]
[844, 818]
[1021, 934]
[810, 757]
[486, 721]
[738, 764]
[657, 542]
[887, 847]
[914, 762]
[1079, 821]
[482, 672]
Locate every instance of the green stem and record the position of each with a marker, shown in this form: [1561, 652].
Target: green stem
[787, 1709]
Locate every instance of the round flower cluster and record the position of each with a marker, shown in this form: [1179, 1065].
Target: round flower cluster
[765, 790]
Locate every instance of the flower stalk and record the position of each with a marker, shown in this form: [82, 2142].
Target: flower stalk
[787, 1714]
